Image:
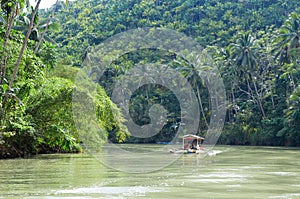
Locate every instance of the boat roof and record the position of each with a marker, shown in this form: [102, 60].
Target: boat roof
[191, 136]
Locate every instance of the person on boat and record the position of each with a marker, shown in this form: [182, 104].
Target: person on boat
[193, 146]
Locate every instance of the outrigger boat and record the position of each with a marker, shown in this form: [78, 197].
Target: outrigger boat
[191, 144]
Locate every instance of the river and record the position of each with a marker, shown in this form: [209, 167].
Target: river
[237, 172]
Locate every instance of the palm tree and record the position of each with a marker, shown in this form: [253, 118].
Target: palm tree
[191, 73]
[287, 43]
[243, 53]
[38, 27]
[287, 48]
[244, 56]
[47, 25]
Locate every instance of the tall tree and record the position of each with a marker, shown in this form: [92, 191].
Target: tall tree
[47, 26]
[287, 42]
[11, 8]
[24, 44]
[244, 55]
[15, 71]
[287, 50]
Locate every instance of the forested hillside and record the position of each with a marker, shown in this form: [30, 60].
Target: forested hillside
[86, 23]
[36, 89]
[254, 43]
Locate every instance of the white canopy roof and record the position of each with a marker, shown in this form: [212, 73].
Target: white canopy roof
[191, 136]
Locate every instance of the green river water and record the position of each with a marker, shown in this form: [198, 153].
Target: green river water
[237, 172]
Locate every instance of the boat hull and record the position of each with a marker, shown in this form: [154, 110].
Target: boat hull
[188, 151]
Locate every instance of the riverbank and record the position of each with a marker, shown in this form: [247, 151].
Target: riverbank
[12, 153]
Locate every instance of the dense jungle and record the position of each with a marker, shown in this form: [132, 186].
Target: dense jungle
[255, 44]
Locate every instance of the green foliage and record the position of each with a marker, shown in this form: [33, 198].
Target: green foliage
[247, 40]
[37, 116]
[244, 53]
[50, 107]
[110, 117]
[255, 45]
[45, 122]
[88, 23]
[49, 54]
[291, 124]
[287, 42]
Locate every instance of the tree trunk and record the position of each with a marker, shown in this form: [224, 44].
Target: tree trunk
[4, 58]
[8, 29]
[45, 30]
[3, 111]
[24, 45]
[259, 100]
[201, 107]
[10, 21]
[233, 103]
